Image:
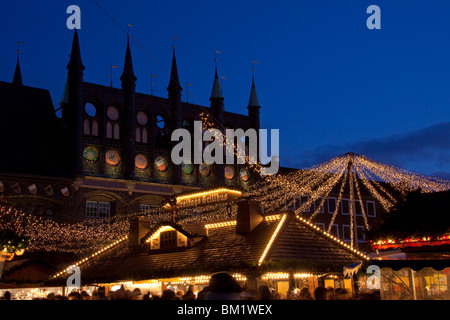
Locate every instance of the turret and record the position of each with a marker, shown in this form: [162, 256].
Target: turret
[73, 109]
[17, 80]
[129, 115]
[254, 107]
[174, 89]
[216, 99]
[217, 108]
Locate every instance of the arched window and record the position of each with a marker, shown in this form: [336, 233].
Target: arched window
[116, 131]
[86, 127]
[138, 134]
[144, 136]
[109, 130]
[94, 130]
[112, 127]
[141, 131]
[90, 123]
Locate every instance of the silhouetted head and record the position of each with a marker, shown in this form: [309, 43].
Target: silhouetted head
[321, 293]
[223, 283]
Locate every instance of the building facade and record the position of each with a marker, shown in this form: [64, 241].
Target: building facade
[110, 152]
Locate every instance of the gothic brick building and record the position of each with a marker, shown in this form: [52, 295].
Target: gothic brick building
[109, 153]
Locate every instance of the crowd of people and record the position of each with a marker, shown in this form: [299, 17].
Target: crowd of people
[222, 286]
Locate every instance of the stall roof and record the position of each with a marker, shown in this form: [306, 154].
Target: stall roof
[276, 238]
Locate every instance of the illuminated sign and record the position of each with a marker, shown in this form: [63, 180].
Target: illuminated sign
[206, 198]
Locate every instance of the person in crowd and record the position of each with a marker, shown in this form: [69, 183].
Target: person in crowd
[321, 293]
[102, 294]
[330, 293]
[341, 294]
[202, 294]
[85, 296]
[222, 286]
[372, 295]
[95, 295]
[74, 295]
[168, 295]
[179, 295]
[51, 296]
[146, 296]
[277, 296]
[136, 294]
[189, 295]
[6, 296]
[304, 294]
[264, 293]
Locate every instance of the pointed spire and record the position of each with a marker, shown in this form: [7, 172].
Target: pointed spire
[253, 101]
[216, 90]
[128, 72]
[65, 97]
[174, 82]
[17, 80]
[75, 55]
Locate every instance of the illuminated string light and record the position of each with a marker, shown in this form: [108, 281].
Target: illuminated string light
[206, 193]
[330, 236]
[89, 236]
[82, 261]
[269, 244]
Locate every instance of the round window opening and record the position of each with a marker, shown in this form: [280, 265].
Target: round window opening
[113, 113]
[160, 123]
[142, 118]
[90, 109]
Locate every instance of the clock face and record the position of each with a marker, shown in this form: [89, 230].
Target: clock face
[245, 175]
[112, 157]
[161, 164]
[90, 154]
[187, 167]
[229, 172]
[141, 162]
[204, 169]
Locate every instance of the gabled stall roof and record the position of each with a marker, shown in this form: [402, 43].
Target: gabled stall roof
[276, 238]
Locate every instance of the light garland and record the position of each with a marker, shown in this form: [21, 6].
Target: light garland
[207, 193]
[220, 224]
[157, 233]
[204, 279]
[330, 236]
[285, 276]
[249, 161]
[269, 244]
[386, 243]
[90, 236]
[83, 261]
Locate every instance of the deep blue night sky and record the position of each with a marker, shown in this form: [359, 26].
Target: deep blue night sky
[324, 79]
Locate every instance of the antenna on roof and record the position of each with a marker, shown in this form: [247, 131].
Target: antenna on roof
[18, 47]
[128, 30]
[215, 57]
[151, 83]
[187, 92]
[173, 41]
[111, 74]
[253, 66]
